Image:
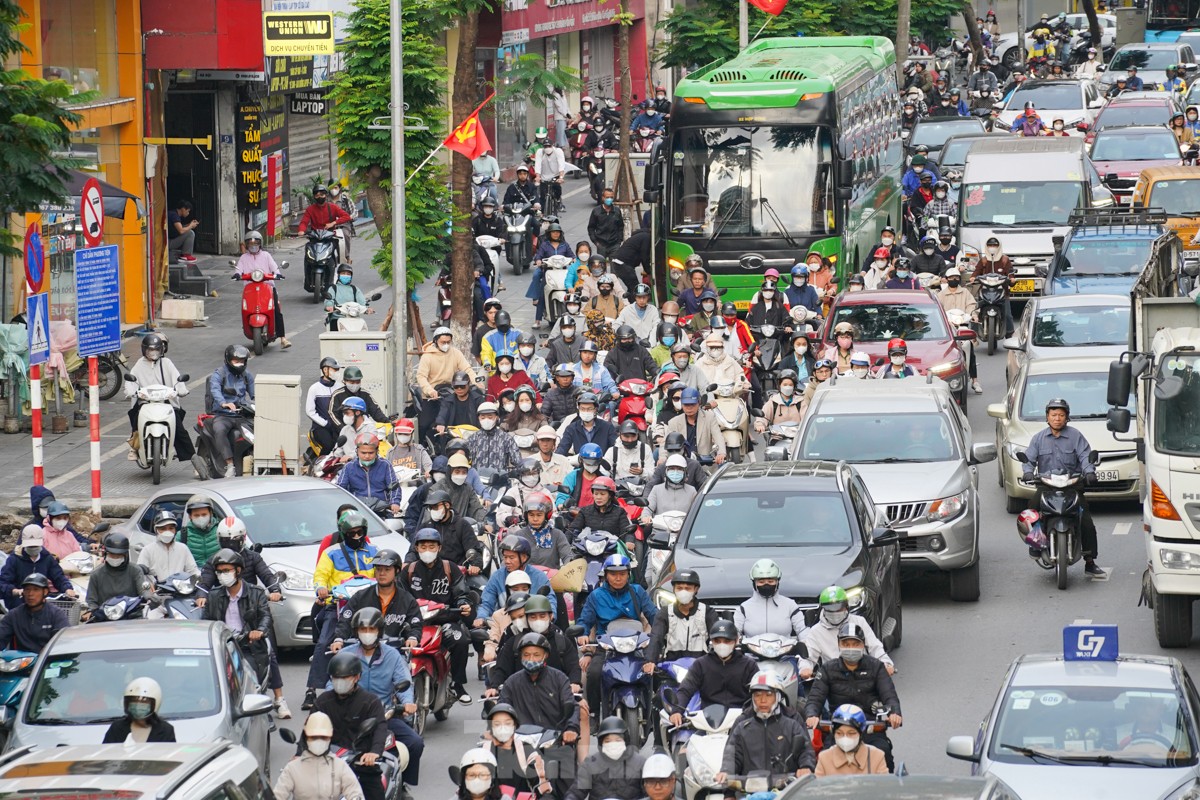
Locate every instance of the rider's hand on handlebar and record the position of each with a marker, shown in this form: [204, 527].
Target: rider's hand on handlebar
[895, 720]
[255, 635]
[465, 608]
[336, 645]
[648, 668]
[677, 719]
[569, 737]
[322, 592]
[368, 759]
[812, 723]
[1090, 479]
[719, 777]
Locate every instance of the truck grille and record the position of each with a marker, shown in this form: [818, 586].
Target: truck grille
[899, 514]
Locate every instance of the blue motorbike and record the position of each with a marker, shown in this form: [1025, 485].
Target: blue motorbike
[625, 690]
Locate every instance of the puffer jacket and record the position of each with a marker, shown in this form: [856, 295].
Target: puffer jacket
[838, 685]
[311, 777]
[776, 744]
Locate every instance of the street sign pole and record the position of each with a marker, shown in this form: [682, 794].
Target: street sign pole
[91, 214]
[35, 409]
[37, 320]
[94, 428]
[399, 228]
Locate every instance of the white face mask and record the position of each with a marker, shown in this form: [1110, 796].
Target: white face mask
[368, 638]
[437, 514]
[677, 405]
[403, 438]
[716, 352]
[318, 747]
[613, 750]
[993, 250]
[723, 649]
[848, 743]
[886, 241]
[860, 372]
[878, 264]
[800, 349]
[504, 367]
[487, 423]
[348, 419]
[685, 596]
[227, 579]
[530, 481]
[897, 360]
[525, 405]
[34, 553]
[201, 523]
[539, 625]
[787, 390]
[343, 686]
[502, 733]
[59, 524]
[166, 537]
[527, 350]
[458, 479]
[477, 785]
[444, 347]
[112, 561]
[427, 556]
[587, 416]
[927, 251]
[520, 625]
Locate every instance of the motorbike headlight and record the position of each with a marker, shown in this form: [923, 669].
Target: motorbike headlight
[664, 598]
[183, 586]
[675, 524]
[16, 665]
[768, 331]
[257, 275]
[115, 611]
[595, 548]
[769, 648]
[295, 580]
[515, 228]
[969, 254]
[624, 644]
[947, 507]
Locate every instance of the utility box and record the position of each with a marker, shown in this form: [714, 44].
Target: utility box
[277, 422]
[370, 351]
[1131, 26]
[612, 166]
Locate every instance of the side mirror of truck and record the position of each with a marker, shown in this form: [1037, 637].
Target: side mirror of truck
[1120, 379]
[1118, 420]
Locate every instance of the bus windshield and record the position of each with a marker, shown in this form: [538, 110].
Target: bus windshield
[772, 181]
[1024, 203]
[1177, 418]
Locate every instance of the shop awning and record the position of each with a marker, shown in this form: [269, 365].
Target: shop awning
[116, 200]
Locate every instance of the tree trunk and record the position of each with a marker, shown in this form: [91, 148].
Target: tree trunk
[462, 273]
[1089, 8]
[622, 184]
[379, 200]
[903, 19]
[968, 15]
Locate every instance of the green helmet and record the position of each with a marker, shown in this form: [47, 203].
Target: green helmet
[541, 133]
[765, 568]
[832, 595]
[536, 604]
[352, 374]
[350, 520]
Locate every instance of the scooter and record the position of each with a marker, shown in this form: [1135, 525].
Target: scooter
[320, 261]
[706, 748]
[243, 442]
[671, 675]
[15, 668]
[645, 139]
[554, 269]
[577, 138]
[179, 593]
[1060, 517]
[484, 188]
[993, 294]
[119, 608]
[519, 250]
[961, 322]
[350, 314]
[767, 338]
[625, 689]
[492, 245]
[258, 307]
[156, 424]
[391, 765]
[634, 392]
[431, 671]
[733, 418]
[664, 532]
[775, 653]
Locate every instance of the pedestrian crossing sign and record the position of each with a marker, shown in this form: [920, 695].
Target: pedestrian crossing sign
[37, 320]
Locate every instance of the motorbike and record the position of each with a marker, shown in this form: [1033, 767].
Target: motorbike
[645, 139]
[431, 671]
[1059, 518]
[769, 341]
[350, 314]
[555, 270]
[577, 140]
[634, 392]
[777, 654]
[595, 175]
[445, 297]
[664, 531]
[121, 607]
[706, 748]
[782, 433]
[961, 322]
[156, 424]
[491, 245]
[483, 188]
[594, 546]
[243, 442]
[391, 765]
[178, 593]
[733, 418]
[15, 668]
[625, 689]
[984, 100]
[258, 307]
[993, 294]
[519, 249]
[320, 261]
[670, 676]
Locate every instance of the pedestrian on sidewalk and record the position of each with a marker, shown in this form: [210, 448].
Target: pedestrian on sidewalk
[181, 232]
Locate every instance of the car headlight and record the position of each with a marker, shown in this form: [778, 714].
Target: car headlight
[1012, 448]
[1178, 559]
[664, 598]
[946, 367]
[947, 507]
[856, 596]
[297, 580]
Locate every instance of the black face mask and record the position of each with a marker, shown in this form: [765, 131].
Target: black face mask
[319, 201]
[954, 282]
[625, 344]
[767, 590]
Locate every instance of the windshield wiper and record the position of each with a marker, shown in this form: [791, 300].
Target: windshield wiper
[722, 222]
[765, 203]
[1082, 758]
[282, 544]
[1033, 753]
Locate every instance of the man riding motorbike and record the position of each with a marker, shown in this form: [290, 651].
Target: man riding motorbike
[370, 478]
[229, 388]
[721, 676]
[821, 639]
[767, 611]
[765, 738]
[681, 629]
[433, 578]
[31, 625]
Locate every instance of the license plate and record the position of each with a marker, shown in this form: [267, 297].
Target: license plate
[1108, 475]
[1024, 286]
[742, 305]
[1191, 253]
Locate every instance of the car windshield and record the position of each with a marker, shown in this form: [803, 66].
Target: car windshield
[954, 154]
[879, 438]
[1081, 326]
[1052, 96]
[86, 688]
[771, 520]
[1024, 203]
[1176, 197]
[1091, 724]
[1122, 114]
[1177, 421]
[878, 322]
[1155, 144]
[1084, 391]
[1105, 257]
[1159, 58]
[934, 134]
[297, 518]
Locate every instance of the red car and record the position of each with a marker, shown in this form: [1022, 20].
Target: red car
[913, 315]
[1120, 154]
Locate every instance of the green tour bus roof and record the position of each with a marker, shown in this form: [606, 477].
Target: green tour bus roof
[778, 72]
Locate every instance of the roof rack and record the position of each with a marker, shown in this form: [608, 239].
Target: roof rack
[1116, 217]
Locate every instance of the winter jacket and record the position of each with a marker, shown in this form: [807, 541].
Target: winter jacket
[497, 342]
[635, 362]
[563, 656]
[494, 449]
[545, 699]
[436, 368]
[604, 605]
[386, 667]
[316, 402]
[17, 567]
[644, 321]
[606, 227]
[575, 436]
[149, 373]
[780, 615]
[457, 538]
[39, 496]
[347, 713]
[23, 629]
[622, 458]
[560, 351]
[452, 411]
[675, 635]
[575, 490]
[341, 562]
[599, 777]
[634, 251]
[59, 543]
[440, 582]
[558, 553]
[311, 777]
[376, 482]
[597, 379]
[255, 612]
[203, 544]
[160, 731]
[725, 683]
[837, 685]
[558, 404]
[776, 411]
[722, 371]
[611, 518]
[340, 396]
[495, 595]
[777, 744]
[822, 644]
[254, 570]
[805, 296]
[706, 438]
[108, 582]
[694, 476]
[666, 497]
[463, 499]
[226, 387]
[401, 620]
[165, 560]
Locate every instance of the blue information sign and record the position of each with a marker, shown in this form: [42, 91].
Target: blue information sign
[98, 299]
[1090, 643]
[37, 318]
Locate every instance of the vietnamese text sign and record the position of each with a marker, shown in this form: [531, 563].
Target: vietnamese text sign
[249, 156]
[310, 104]
[290, 33]
[98, 299]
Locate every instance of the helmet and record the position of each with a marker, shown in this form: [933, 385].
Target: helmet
[387, 558]
[897, 345]
[145, 687]
[526, 338]
[832, 595]
[427, 535]
[1059, 404]
[351, 520]
[852, 630]
[163, 517]
[329, 362]
[844, 327]
[503, 320]
[57, 509]
[460, 378]
[366, 439]
[766, 681]
[538, 501]
[597, 260]
[676, 460]
[226, 557]
[787, 375]
[688, 576]
[800, 269]
[607, 279]
[197, 502]
[367, 617]
[856, 280]
[943, 186]
[532, 639]
[859, 359]
[723, 629]
[588, 346]
[345, 664]
[765, 568]
[517, 600]
[502, 708]
[154, 341]
[553, 227]
[436, 497]
[883, 252]
[441, 330]
[928, 238]
[591, 450]
[675, 442]
[616, 563]
[610, 726]
[515, 544]
[523, 168]
[235, 352]
[355, 404]
[606, 483]
[537, 604]
[541, 133]
[849, 714]
[728, 309]
[319, 725]
[824, 363]
[587, 98]
[478, 755]
[657, 766]
[349, 270]
[626, 332]
[36, 579]
[115, 543]
[252, 236]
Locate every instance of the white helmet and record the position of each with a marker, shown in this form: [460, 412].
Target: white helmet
[145, 687]
[518, 578]
[231, 527]
[659, 765]
[477, 755]
[676, 460]
[253, 236]
[318, 724]
[441, 330]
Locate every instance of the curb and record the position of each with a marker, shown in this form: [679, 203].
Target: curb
[114, 507]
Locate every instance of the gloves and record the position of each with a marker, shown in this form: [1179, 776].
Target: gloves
[1090, 479]
[130, 388]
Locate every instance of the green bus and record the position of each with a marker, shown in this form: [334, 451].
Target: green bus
[792, 146]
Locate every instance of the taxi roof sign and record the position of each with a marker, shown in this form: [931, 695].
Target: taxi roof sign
[1090, 643]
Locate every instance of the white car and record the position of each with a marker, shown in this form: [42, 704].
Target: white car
[1005, 47]
[1069, 325]
[1075, 102]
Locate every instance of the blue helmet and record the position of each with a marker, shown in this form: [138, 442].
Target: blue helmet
[849, 714]
[427, 535]
[800, 269]
[591, 450]
[616, 563]
[355, 403]
[690, 396]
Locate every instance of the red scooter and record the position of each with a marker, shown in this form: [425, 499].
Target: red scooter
[634, 392]
[430, 670]
[258, 308]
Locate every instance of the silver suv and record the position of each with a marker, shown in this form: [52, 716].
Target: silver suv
[912, 446]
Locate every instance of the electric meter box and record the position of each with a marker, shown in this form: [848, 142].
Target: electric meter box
[370, 351]
[277, 416]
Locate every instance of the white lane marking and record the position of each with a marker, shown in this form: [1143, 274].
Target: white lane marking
[1122, 528]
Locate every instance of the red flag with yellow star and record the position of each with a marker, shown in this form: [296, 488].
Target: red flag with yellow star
[469, 137]
[772, 7]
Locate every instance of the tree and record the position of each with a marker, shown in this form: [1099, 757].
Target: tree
[361, 93]
[35, 128]
[968, 15]
[1089, 8]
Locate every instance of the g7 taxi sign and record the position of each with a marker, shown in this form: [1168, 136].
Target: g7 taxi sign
[1090, 643]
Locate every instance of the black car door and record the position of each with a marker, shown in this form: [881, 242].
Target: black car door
[882, 563]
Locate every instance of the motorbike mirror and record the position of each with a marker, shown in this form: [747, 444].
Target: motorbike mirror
[544, 590]
[508, 500]
[879, 362]
[101, 528]
[284, 265]
[288, 735]
[575, 630]
[232, 263]
[184, 378]
[403, 686]
[1024, 459]
[712, 387]
[130, 378]
[722, 290]
[341, 440]
[812, 336]
[640, 502]
[281, 576]
[376, 296]
[256, 547]
[366, 728]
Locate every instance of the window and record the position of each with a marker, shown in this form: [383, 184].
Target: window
[1121, 114]
[279, 520]
[1020, 203]
[1105, 257]
[1081, 326]
[174, 503]
[879, 438]
[1085, 391]
[1179, 198]
[771, 520]
[1055, 96]
[864, 510]
[878, 323]
[1156, 59]
[1149, 145]
[1177, 418]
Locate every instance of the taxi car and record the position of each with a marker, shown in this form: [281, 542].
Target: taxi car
[1091, 723]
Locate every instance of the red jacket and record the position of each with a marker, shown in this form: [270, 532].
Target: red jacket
[516, 379]
[320, 215]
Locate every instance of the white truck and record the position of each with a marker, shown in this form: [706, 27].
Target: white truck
[1163, 371]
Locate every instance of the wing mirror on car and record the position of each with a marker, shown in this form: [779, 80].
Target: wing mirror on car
[982, 452]
[997, 411]
[965, 335]
[1012, 343]
[1119, 420]
[884, 537]
[776, 452]
[254, 705]
[962, 748]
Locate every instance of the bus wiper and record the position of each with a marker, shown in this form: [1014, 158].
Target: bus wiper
[765, 203]
[722, 222]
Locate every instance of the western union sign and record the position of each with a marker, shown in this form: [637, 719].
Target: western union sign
[291, 33]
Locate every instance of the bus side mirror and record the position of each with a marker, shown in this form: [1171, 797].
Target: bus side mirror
[652, 177]
[845, 173]
[1120, 378]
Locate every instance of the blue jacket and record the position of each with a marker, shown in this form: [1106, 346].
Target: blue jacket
[547, 248]
[912, 181]
[602, 380]
[225, 387]
[603, 606]
[576, 436]
[494, 591]
[381, 674]
[645, 120]
[378, 480]
[503, 342]
[18, 567]
[806, 296]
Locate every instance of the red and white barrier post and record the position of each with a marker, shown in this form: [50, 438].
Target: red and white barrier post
[35, 405]
[94, 428]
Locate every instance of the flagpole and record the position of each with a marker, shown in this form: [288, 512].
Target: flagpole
[743, 25]
[432, 153]
[763, 28]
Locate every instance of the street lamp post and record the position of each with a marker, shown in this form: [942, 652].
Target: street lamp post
[399, 255]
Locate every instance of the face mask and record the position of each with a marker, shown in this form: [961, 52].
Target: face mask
[227, 579]
[671, 318]
[677, 405]
[583, 256]
[318, 747]
[348, 419]
[993, 250]
[591, 464]
[343, 686]
[787, 390]
[835, 618]
[587, 416]
[902, 274]
[716, 352]
[458, 480]
[684, 596]
[427, 556]
[520, 625]
[539, 625]
[606, 290]
[918, 170]
[667, 341]
[897, 360]
[946, 102]
[444, 347]
[675, 475]
[1058, 126]
[353, 387]
[153, 355]
[629, 445]
[878, 263]
[569, 333]
[954, 283]
[166, 537]
[368, 638]
[403, 438]
[112, 561]
[437, 514]
[477, 785]
[708, 307]
[502, 733]
[487, 423]
[437, 476]
[140, 709]
[851, 655]
[886, 241]
[848, 744]
[613, 750]
[767, 589]
[723, 649]
[769, 293]
[682, 363]
[201, 522]
[34, 553]
[608, 201]
[860, 372]
[532, 667]
[59, 524]
[366, 462]
[344, 280]
[927, 251]
[504, 368]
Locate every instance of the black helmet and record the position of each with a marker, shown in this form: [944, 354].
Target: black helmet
[532, 639]
[675, 442]
[154, 341]
[503, 708]
[728, 308]
[857, 280]
[610, 726]
[387, 558]
[626, 332]
[723, 629]
[516, 601]
[460, 379]
[629, 426]
[329, 361]
[367, 618]
[668, 329]
[162, 517]
[238, 353]
[503, 321]
[587, 397]
[516, 544]
[345, 664]
[36, 579]
[116, 543]
[852, 630]
[225, 556]
[554, 227]
[787, 374]
[456, 446]
[529, 466]
[1059, 404]
[588, 346]
[597, 261]
[436, 496]
[689, 576]
[526, 338]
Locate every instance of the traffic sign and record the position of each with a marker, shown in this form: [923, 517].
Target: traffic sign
[98, 299]
[37, 320]
[92, 212]
[35, 258]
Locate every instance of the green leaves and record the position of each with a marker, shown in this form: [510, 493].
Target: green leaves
[530, 79]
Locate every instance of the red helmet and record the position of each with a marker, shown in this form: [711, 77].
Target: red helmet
[897, 345]
[538, 501]
[604, 482]
[883, 252]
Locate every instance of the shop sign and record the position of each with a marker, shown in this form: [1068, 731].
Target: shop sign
[249, 156]
[274, 124]
[565, 16]
[289, 74]
[295, 33]
[309, 104]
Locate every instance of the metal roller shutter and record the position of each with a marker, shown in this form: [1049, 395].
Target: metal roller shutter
[310, 154]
